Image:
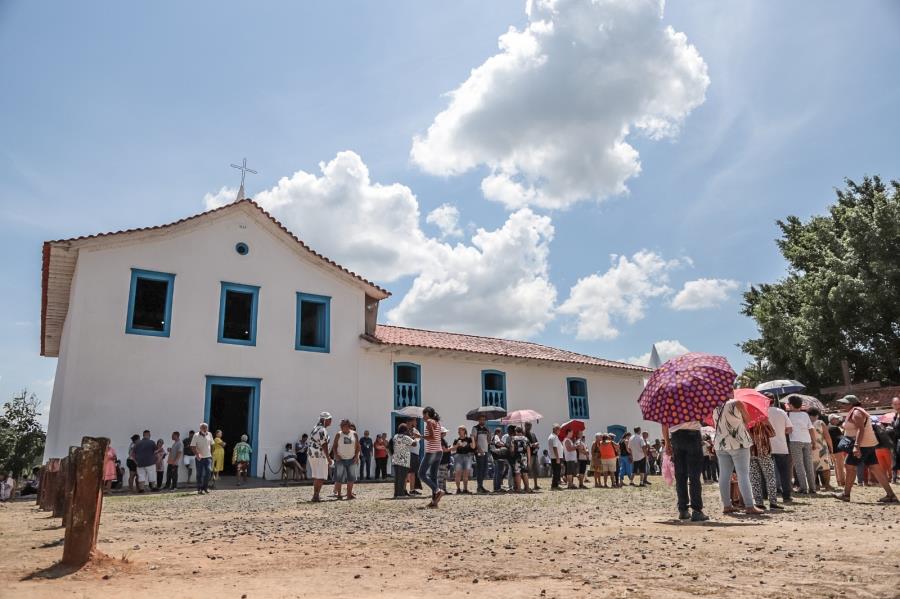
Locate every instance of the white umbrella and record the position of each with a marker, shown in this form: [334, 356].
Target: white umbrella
[410, 411]
[781, 387]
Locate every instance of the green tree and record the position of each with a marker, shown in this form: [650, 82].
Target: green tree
[21, 435]
[841, 296]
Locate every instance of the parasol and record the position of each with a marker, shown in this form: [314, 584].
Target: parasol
[687, 388]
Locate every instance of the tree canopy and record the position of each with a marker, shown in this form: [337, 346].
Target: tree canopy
[841, 296]
[21, 435]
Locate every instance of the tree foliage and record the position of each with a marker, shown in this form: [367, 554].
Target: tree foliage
[21, 435]
[841, 296]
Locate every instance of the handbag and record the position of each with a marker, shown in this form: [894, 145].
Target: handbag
[845, 445]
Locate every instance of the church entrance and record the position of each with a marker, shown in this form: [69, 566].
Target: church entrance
[232, 406]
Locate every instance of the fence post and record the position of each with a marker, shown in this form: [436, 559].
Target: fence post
[69, 488]
[59, 491]
[47, 492]
[86, 500]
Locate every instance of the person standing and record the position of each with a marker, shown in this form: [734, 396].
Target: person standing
[131, 463]
[218, 456]
[463, 448]
[365, 457]
[584, 458]
[109, 468]
[520, 457]
[379, 449]
[762, 467]
[188, 454]
[415, 455]
[481, 437]
[859, 442]
[684, 444]
[626, 468]
[596, 464]
[176, 455]
[202, 444]
[835, 433]
[400, 460]
[895, 424]
[319, 457]
[346, 457]
[570, 453]
[160, 463]
[534, 467]
[145, 458]
[822, 460]
[557, 458]
[428, 470]
[802, 445]
[780, 451]
[301, 452]
[240, 457]
[733, 444]
[637, 447]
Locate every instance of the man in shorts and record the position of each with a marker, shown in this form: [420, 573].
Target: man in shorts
[319, 458]
[145, 459]
[637, 446]
[188, 455]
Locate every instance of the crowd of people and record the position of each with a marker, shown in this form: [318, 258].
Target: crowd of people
[791, 451]
[758, 466]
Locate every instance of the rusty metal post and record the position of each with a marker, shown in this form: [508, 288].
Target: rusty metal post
[83, 521]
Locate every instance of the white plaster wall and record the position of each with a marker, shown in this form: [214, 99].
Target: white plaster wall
[113, 384]
[453, 387]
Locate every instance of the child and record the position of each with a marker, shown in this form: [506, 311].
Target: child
[545, 463]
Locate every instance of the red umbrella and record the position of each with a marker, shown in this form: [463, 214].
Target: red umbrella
[756, 403]
[687, 388]
[575, 426]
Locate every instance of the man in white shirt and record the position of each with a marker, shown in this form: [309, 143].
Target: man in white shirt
[556, 457]
[201, 443]
[780, 453]
[638, 448]
[802, 445]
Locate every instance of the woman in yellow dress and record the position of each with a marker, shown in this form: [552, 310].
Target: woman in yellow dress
[218, 455]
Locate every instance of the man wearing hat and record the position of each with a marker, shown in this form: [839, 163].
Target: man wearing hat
[319, 458]
[859, 443]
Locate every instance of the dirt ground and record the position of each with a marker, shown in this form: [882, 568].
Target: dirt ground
[271, 542]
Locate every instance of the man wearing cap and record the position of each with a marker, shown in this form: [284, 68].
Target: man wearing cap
[319, 458]
[859, 442]
[201, 443]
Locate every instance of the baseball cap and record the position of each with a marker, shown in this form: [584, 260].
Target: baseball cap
[849, 399]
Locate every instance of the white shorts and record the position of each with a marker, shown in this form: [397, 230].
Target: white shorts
[146, 474]
[318, 468]
[189, 461]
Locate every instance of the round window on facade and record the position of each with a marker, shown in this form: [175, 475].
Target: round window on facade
[242, 248]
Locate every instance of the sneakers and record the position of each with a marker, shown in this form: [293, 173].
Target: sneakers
[841, 496]
[889, 499]
[699, 516]
[684, 515]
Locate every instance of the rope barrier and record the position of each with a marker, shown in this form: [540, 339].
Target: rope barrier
[266, 466]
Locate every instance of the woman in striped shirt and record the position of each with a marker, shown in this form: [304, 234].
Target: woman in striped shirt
[434, 451]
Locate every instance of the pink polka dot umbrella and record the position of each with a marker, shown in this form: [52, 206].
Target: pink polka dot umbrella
[687, 388]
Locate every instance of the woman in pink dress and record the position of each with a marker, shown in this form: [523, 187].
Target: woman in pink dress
[109, 468]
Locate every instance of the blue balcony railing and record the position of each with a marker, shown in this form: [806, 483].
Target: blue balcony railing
[406, 394]
[493, 397]
[578, 406]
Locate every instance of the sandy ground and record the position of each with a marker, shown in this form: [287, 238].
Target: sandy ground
[271, 542]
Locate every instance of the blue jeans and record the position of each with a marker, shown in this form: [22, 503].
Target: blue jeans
[204, 471]
[626, 468]
[735, 460]
[500, 466]
[428, 470]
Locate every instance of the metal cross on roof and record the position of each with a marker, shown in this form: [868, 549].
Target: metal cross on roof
[244, 170]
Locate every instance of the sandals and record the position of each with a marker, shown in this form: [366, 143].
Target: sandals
[842, 497]
[889, 499]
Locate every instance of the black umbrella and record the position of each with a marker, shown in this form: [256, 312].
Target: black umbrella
[489, 412]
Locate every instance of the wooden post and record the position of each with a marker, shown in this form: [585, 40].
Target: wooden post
[47, 492]
[59, 491]
[69, 487]
[86, 503]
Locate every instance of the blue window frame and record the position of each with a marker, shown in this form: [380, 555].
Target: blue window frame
[238, 305]
[252, 425]
[493, 388]
[150, 303]
[313, 330]
[578, 398]
[407, 385]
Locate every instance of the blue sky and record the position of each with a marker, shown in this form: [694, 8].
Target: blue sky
[119, 115]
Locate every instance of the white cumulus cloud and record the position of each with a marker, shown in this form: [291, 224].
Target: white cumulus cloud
[551, 113]
[446, 218]
[225, 195]
[498, 284]
[666, 348]
[704, 293]
[599, 302]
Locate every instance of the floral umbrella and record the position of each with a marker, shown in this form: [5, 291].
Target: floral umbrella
[687, 388]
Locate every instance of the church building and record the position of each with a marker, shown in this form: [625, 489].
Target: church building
[229, 318]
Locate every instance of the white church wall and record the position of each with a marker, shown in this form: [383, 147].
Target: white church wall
[115, 384]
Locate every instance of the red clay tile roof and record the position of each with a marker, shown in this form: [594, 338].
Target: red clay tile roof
[392, 335]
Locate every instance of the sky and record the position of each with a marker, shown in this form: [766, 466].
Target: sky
[598, 176]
